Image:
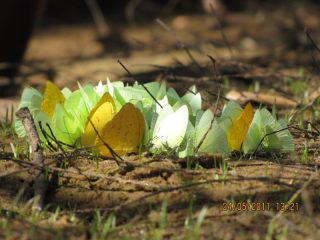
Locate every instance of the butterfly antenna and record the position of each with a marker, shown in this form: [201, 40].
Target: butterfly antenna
[130, 75]
[315, 46]
[179, 42]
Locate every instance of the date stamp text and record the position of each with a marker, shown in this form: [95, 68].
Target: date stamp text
[259, 206]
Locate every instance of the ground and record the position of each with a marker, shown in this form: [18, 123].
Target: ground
[162, 197]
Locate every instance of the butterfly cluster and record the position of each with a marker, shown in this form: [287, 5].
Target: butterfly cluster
[129, 118]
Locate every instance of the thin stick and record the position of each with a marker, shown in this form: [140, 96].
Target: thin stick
[315, 46]
[311, 40]
[40, 185]
[47, 137]
[215, 94]
[216, 79]
[216, 107]
[150, 187]
[265, 136]
[224, 36]
[308, 106]
[130, 75]
[179, 42]
[115, 156]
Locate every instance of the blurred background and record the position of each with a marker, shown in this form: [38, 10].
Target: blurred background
[81, 40]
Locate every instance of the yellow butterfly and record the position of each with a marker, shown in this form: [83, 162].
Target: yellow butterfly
[52, 95]
[99, 116]
[239, 128]
[123, 133]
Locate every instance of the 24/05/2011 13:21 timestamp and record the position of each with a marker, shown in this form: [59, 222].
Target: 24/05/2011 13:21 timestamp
[260, 206]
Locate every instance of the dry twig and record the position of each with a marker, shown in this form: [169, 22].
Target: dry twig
[40, 185]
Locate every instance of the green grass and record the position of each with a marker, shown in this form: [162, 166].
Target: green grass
[101, 227]
[193, 227]
[160, 230]
[6, 124]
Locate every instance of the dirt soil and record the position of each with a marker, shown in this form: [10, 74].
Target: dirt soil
[242, 198]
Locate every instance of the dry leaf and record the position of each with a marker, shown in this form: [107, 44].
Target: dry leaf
[264, 98]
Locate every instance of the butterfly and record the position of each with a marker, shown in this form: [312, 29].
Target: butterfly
[170, 128]
[99, 116]
[235, 122]
[52, 96]
[122, 131]
[123, 134]
[32, 99]
[239, 129]
[274, 134]
[209, 136]
[193, 99]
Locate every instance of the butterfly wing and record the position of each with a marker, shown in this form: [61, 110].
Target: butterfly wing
[111, 86]
[129, 94]
[99, 116]
[51, 97]
[230, 112]
[65, 126]
[45, 121]
[75, 105]
[264, 123]
[253, 138]
[173, 96]
[170, 127]
[210, 137]
[31, 98]
[153, 87]
[279, 139]
[239, 129]
[124, 133]
[101, 89]
[66, 92]
[187, 146]
[193, 99]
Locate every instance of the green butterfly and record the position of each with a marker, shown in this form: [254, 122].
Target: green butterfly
[193, 99]
[230, 113]
[32, 99]
[210, 137]
[207, 137]
[279, 138]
